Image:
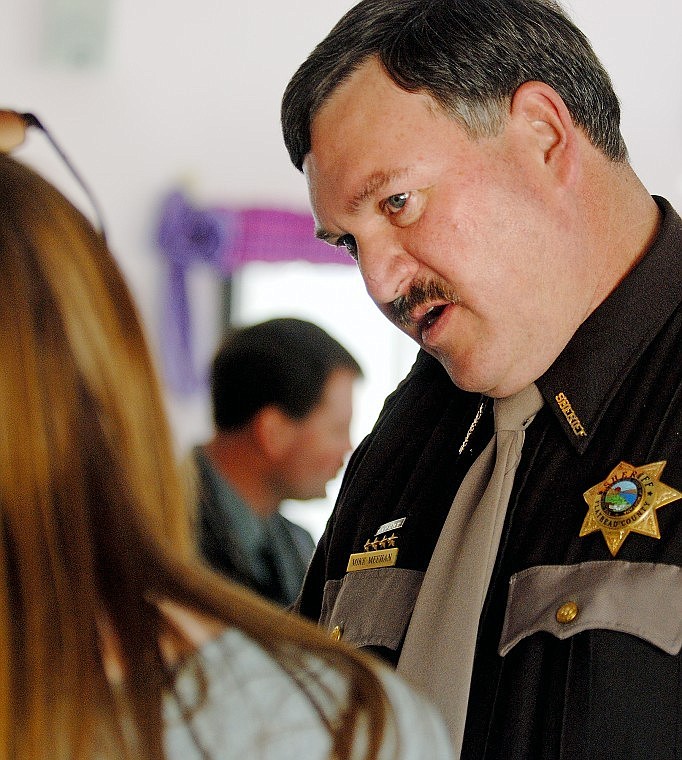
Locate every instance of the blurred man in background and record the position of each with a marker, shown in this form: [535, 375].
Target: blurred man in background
[282, 405]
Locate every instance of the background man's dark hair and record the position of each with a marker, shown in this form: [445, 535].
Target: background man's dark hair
[470, 56]
[283, 362]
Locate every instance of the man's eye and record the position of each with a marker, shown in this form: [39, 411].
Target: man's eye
[395, 203]
[348, 242]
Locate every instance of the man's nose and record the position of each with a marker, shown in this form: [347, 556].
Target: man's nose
[386, 267]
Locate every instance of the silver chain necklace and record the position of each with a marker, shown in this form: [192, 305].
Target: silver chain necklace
[472, 427]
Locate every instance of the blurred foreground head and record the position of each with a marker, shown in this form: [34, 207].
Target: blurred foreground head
[88, 485]
[94, 536]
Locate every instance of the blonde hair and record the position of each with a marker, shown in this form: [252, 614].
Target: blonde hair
[93, 517]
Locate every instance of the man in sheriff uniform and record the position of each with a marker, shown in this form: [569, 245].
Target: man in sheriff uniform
[468, 155]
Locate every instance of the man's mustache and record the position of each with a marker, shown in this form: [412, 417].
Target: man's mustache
[420, 292]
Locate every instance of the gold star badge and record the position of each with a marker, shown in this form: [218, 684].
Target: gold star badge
[627, 501]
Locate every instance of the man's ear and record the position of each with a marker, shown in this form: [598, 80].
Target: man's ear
[548, 130]
[274, 431]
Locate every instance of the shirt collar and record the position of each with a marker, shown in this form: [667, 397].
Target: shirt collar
[586, 375]
[248, 528]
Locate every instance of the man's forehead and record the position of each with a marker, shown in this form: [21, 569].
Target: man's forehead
[363, 95]
[369, 72]
[349, 137]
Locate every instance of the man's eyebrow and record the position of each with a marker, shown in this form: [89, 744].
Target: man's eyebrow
[328, 237]
[374, 182]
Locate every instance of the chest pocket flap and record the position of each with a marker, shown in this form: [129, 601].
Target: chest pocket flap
[638, 598]
[372, 607]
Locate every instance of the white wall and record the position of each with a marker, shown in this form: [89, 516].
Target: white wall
[189, 93]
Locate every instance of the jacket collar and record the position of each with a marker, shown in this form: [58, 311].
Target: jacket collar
[586, 375]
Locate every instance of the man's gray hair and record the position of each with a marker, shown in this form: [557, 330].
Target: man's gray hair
[470, 56]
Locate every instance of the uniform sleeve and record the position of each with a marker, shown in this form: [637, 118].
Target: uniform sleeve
[309, 601]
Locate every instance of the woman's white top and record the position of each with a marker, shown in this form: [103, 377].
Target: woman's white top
[252, 709]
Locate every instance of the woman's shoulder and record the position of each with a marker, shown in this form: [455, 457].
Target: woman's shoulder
[232, 699]
[419, 730]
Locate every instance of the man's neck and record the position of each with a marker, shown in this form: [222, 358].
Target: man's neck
[239, 462]
[624, 221]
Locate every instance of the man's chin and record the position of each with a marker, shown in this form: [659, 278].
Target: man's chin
[466, 381]
[313, 494]
[459, 376]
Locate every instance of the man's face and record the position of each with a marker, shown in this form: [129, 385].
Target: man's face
[320, 441]
[469, 246]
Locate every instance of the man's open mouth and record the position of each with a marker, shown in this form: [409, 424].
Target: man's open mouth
[431, 316]
[407, 311]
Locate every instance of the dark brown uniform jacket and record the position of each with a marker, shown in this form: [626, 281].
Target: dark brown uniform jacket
[607, 684]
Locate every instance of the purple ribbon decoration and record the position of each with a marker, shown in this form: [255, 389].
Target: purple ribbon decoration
[225, 239]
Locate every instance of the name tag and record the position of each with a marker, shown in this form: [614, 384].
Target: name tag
[367, 560]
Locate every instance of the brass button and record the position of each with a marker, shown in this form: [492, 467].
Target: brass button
[336, 633]
[567, 612]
